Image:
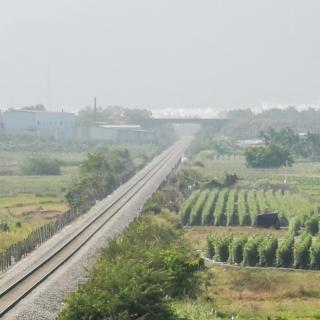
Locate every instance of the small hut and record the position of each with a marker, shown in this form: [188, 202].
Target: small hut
[268, 220]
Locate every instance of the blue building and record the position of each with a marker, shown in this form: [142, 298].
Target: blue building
[59, 125]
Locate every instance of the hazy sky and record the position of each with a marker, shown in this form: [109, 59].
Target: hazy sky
[161, 53]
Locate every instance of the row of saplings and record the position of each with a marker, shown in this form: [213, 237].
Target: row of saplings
[266, 251]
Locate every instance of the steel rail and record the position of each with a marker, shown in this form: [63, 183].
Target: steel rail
[139, 181]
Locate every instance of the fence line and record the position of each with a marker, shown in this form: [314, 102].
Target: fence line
[20, 249]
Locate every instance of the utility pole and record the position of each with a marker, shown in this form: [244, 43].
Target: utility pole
[95, 109]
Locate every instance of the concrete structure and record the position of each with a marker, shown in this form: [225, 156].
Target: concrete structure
[114, 133]
[217, 122]
[58, 125]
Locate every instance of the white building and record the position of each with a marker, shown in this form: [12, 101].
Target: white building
[59, 125]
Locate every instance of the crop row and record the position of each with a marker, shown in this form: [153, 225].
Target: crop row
[228, 207]
[266, 251]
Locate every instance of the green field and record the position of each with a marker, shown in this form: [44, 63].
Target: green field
[303, 175]
[233, 207]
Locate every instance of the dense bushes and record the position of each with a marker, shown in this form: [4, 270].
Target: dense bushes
[312, 225]
[315, 254]
[285, 252]
[211, 246]
[169, 198]
[137, 274]
[266, 251]
[41, 167]
[236, 249]
[294, 226]
[222, 248]
[269, 156]
[251, 252]
[100, 174]
[302, 251]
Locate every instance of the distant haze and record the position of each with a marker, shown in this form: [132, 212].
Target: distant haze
[164, 53]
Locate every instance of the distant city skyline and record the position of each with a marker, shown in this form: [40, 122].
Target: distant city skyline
[165, 54]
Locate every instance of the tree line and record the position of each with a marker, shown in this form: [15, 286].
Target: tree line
[281, 147]
[100, 174]
[246, 124]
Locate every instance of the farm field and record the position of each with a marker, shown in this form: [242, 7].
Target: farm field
[220, 214]
[303, 175]
[233, 207]
[28, 201]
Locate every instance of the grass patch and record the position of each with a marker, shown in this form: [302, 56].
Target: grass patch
[17, 185]
[24, 200]
[303, 175]
[259, 294]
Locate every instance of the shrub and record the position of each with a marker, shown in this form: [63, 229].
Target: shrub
[294, 226]
[167, 198]
[136, 274]
[315, 254]
[41, 166]
[211, 246]
[119, 294]
[236, 249]
[312, 225]
[100, 174]
[250, 252]
[267, 251]
[181, 264]
[285, 252]
[270, 156]
[222, 248]
[302, 251]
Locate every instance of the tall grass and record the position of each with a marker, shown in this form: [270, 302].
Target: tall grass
[219, 212]
[196, 211]
[187, 206]
[244, 217]
[253, 207]
[230, 208]
[208, 209]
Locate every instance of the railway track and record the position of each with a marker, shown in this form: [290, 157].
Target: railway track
[105, 211]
